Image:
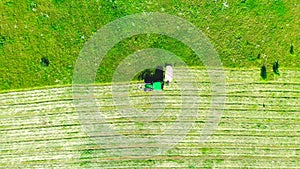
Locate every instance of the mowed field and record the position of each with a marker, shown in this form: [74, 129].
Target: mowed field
[259, 128]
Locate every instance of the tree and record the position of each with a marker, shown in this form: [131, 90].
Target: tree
[263, 72]
[276, 67]
[45, 61]
[292, 49]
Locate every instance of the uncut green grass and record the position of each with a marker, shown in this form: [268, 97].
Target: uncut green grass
[58, 29]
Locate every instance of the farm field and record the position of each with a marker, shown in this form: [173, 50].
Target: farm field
[245, 34]
[259, 128]
[44, 124]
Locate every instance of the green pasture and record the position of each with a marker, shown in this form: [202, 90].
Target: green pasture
[245, 33]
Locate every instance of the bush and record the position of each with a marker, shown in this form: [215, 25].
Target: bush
[45, 61]
[292, 49]
[263, 72]
[276, 67]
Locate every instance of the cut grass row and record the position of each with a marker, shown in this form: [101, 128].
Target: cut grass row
[247, 78]
[45, 131]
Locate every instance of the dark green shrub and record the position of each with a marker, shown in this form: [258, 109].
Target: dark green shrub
[292, 49]
[276, 67]
[45, 61]
[263, 72]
